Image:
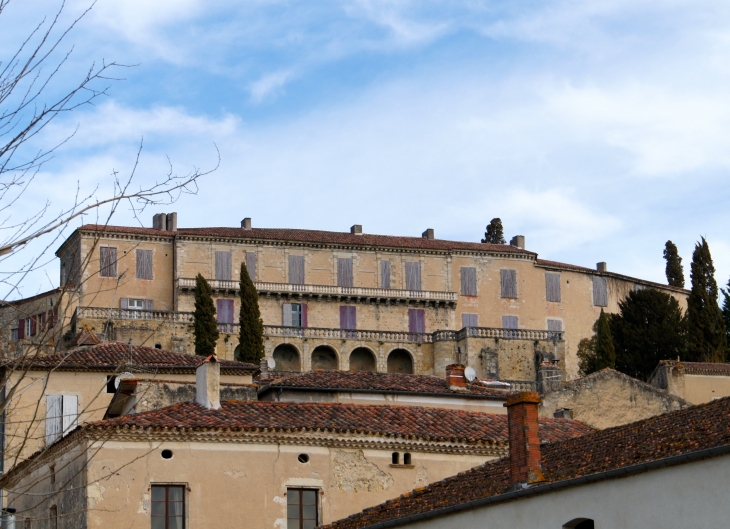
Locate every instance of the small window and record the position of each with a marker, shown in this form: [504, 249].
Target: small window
[108, 261]
[53, 517]
[395, 458]
[136, 304]
[14, 335]
[510, 322]
[508, 280]
[302, 508]
[111, 384]
[555, 325]
[27, 524]
[295, 315]
[168, 507]
[158, 346]
[166, 454]
[468, 281]
[29, 327]
[52, 471]
[303, 458]
[469, 320]
[407, 459]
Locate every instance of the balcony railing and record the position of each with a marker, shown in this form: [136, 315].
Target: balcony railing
[101, 313]
[325, 290]
[493, 332]
[346, 334]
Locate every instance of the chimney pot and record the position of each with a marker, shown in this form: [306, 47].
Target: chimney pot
[518, 241]
[356, 229]
[171, 221]
[602, 266]
[455, 377]
[159, 221]
[524, 439]
[428, 234]
[208, 383]
[246, 223]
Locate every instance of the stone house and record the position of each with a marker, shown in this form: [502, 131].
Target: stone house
[666, 471]
[697, 382]
[259, 464]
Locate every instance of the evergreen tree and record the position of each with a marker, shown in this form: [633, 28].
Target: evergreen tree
[206, 327]
[706, 338]
[726, 316]
[605, 352]
[674, 269]
[494, 233]
[587, 356]
[251, 339]
[650, 327]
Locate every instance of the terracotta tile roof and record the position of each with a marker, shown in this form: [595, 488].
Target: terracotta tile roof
[318, 237]
[113, 356]
[672, 434]
[433, 424]
[706, 368]
[386, 382]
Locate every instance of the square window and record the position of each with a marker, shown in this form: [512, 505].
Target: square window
[302, 508]
[168, 507]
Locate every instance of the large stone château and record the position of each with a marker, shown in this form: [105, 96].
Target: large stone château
[333, 300]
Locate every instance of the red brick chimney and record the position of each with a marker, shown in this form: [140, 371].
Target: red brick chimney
[455, 377]
[524, 439]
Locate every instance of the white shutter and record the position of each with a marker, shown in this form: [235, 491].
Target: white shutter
[54, 421]
[70, 413]
[287, 315]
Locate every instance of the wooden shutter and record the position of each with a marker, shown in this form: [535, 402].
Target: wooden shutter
[600, 293]
[384, 274]
[21, 329]
[552, 286]
[223, 266]
[413, 276]
[344, 272]
[108, 261]
[348, 317]
[251, 265]
[144, 264]
[416, 320]
[224, 310]
[555, 325]
[287, 315]
[70, 407]
[469, 320]
[148, 304]
[296, 269]
[510, 322]
[54, 418]
[124, 303]
[468, 281]
[509, 283]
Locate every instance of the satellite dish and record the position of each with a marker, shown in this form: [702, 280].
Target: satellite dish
[470, 374]
[118, 380]
[271, 362]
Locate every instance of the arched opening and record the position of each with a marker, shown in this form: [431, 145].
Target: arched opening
[579, 523]
[407, 458]
[287, 358]
[400, 361]
[362, 359]
[395, 458]
[324, 359]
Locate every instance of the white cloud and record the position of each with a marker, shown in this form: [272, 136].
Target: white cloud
[269, 85]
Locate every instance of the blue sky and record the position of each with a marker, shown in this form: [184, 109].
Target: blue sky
[596, 129]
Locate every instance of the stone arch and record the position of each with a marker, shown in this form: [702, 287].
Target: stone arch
[324, 358]
[400, 361]
[287, 358]
[363, 359]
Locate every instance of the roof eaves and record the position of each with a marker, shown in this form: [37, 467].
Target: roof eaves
[388, 391]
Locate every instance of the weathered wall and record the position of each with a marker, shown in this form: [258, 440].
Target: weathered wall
[609, 398]
[155, 394]
[704, 388]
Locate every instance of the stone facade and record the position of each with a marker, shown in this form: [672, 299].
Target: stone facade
[697, 382]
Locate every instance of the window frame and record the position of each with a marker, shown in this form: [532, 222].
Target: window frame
[299, 491]
[167, 486]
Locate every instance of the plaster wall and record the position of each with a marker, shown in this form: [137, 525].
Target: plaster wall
[699, 389]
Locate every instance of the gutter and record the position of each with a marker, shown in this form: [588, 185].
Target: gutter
[558, 485]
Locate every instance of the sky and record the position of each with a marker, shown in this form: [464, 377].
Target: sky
[598, 130]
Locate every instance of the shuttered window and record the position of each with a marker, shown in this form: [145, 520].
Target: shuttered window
[344, 272]
[600, 294]
[224, 310]
[295, 314]
[555, 325]
[108, 262]
[469, 320]
[509, 283]
[552, 286]
[384, 274]
[296, 269]
[223, 266]
[413, 276]
[348, 317]
[62, 413]
[416, 320]
[144, 264]
[468, 281]
[510, 322]
[251, 265]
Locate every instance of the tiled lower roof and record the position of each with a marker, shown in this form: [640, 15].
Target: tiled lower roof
[431, 424]
[672, 434]
[706, 368]
[386, 382]
[114, 355]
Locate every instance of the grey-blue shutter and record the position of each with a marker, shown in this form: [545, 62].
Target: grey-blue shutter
[124, 303]
[384, 274]
[287, 315]
[148, 304]
[144, 264]
[508, 280]
[296, 269]
[469, 320]
[510, 322]
[555, 325]
[413, 276]
[600, 293]
[344, 272]
[552, 286]
[251, 265]
[468, 281]
[223, 266]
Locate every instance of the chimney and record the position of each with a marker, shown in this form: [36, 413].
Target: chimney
[246, 223]
[356, 229]
[172, 221]
[602, 266]
[159, 221]
[455, 377]
[524, 439]
[428, 234]
[519, 241]
[208, 383]
[264, 367]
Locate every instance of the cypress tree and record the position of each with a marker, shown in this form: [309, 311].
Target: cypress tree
[494, 233]
[706, 338]
[605, 352]
[726, 315]
[674, 269]
[206, 327]
[251, 339]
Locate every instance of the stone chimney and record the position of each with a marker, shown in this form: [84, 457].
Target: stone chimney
[264, 368]
[159, 222]
[208, 383]
[524, 439]
[428, 234]
[455, 377]
[246, 223]
[602, 266]
[172, 221]
[356, 229]
[519, 241]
